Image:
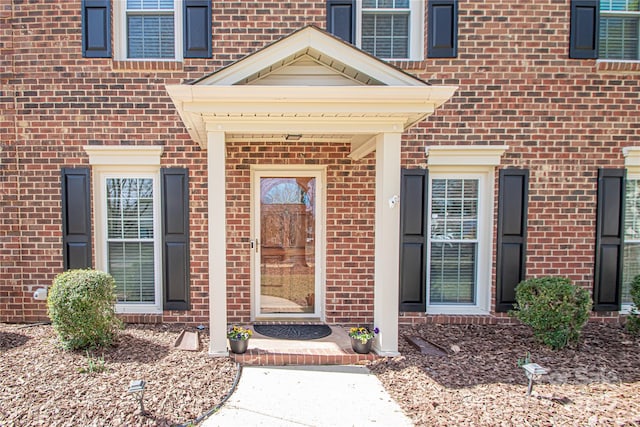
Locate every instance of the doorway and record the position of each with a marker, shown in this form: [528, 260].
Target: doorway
[287, 254]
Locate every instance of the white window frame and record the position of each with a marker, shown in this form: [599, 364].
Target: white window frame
[632, 164]
[631, 175]
[126, 162]
[468, 161]
[120, 32]
[483, 241]
[620, 14]
[416, 29]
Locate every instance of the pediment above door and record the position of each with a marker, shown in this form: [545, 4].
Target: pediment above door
[309, 84]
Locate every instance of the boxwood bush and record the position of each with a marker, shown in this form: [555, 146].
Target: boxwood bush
[633, 321]
[555, 309]
[81, 307]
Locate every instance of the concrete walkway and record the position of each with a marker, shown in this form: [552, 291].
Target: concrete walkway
[309, 396]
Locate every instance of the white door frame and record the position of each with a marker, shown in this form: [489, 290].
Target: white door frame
[319, 173]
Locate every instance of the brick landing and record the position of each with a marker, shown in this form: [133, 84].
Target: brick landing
[332, 350]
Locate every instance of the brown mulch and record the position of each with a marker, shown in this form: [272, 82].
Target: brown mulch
[478, 382]
[41, 384]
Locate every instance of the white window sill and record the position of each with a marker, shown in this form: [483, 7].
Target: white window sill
[460, 310]
[613, 61]
[138, 309]
[625, 309]
[149, 59]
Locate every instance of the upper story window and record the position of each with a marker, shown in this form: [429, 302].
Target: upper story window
[148, 29]
[391, 29]
[619, 29]
[168, 30]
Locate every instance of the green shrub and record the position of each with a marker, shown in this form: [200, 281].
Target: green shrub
[81, 308]
[633, 321]
[555, 309]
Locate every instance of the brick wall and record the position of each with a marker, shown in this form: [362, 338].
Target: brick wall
[562, 119]
[54, 102]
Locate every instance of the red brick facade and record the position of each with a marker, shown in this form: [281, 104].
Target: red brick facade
[561, 118]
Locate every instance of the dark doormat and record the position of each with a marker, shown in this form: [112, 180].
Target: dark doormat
[294, 332]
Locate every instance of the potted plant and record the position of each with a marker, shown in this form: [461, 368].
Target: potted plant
[239, 338]
[362, 338]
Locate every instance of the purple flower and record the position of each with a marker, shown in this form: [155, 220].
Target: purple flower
[376, 330]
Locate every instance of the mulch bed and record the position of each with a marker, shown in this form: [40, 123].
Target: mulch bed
[41, 384]
[476, 383]
[479, 383]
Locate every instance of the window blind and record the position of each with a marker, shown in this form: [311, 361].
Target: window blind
[130, 233]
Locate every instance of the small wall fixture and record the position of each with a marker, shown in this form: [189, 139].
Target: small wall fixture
[40, 294]
[394, 201]
[292, 137]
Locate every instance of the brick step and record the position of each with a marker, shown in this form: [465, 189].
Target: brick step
[266, 358]
[334, 349]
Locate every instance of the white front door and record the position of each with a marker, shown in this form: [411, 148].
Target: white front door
[287, 243]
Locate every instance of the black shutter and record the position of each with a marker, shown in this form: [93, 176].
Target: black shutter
[96, 28]
[341, 19]
[609, 240]
[175, 238]
[413, 239]
[442, 29]
[512, 235]
[197, 28]
[76, 218]
[585, 20]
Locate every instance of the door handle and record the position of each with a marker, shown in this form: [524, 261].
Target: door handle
[255, 244]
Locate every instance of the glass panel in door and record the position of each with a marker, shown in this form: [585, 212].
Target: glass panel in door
[287, 245]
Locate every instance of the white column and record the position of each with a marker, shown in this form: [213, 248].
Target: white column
[216, 200]
[387, 241]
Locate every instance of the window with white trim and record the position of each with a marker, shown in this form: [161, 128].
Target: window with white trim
[631, 267]
[128, 242]
[148, 29]
[458, 272]
[126, 206]
[391, 29]
[460, 213]
[619, 29]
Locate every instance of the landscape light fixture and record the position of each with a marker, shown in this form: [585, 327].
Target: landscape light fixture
[533, 371]
[136, 388]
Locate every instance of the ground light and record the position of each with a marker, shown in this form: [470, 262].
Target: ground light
[136, 389]
[534, 372]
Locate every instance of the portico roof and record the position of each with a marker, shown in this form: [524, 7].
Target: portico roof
[308, 83]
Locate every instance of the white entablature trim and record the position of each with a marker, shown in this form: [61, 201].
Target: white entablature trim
[465, 155]
[304, 109]
[117, 155]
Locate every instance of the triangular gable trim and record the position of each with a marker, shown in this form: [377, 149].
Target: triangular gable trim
[302, 41]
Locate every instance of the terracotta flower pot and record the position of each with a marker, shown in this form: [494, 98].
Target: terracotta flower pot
[360, 347]
[238, 346]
